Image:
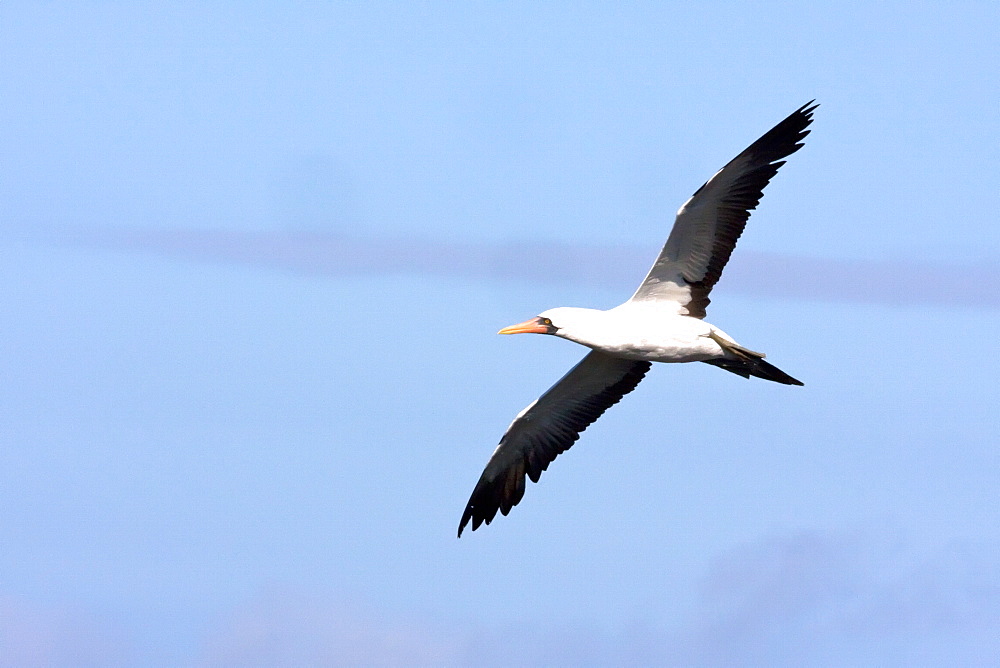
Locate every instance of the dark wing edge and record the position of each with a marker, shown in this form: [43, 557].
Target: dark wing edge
[546, 429]
[721, 207]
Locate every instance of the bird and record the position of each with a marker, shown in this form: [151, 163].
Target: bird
[662, 322]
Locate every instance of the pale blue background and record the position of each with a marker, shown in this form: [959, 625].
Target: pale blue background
[227, 440]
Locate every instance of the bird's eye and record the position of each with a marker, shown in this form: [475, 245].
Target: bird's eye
[546, 322]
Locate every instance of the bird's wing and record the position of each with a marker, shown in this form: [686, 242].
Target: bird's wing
[710, 222]
[548, 427]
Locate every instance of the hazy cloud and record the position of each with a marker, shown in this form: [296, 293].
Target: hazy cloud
[290, 627]
[617, 267]
[814, 598]
[803, 598]
[34, 634]
[797, 598]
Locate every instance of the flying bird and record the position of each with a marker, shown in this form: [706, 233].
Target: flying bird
[662, 322]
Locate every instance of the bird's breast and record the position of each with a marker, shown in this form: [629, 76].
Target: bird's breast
[659, 350]
[659, 339]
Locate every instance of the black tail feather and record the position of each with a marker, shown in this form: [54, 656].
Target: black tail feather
[754, 366]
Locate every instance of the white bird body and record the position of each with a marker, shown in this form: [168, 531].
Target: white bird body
[640, 331]
[662, 322]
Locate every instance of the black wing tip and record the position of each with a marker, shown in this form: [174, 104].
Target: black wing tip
[480, 511]
[807, 108]
[787, 136]
[469, 514]
[804, 114]
[487, 499]
[465, 520]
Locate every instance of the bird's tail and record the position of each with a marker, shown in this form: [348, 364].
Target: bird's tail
[748, 363]
[755, 367]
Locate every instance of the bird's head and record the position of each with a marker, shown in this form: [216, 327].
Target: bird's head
[558, 321]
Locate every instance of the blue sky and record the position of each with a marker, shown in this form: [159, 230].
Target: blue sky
[254, 258]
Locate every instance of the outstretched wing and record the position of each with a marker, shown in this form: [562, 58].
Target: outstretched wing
[710, 222]
[548, 427]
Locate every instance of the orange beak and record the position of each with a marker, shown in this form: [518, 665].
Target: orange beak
[533, 326]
